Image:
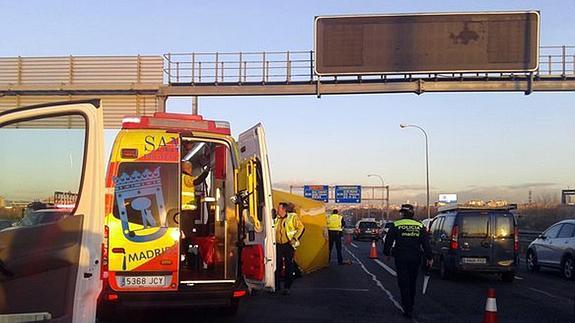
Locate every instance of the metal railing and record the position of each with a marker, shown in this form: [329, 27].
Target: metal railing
[297, 66]
[240, 67]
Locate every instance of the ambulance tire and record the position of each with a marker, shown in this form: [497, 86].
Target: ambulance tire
[106, 312]
[232, 309]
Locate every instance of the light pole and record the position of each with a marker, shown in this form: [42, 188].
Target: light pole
[383, 217]
[426, 159]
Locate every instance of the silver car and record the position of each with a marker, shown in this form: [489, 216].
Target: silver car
[554, 248]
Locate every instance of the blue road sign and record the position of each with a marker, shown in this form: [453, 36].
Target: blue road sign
[317, 192]
[348, 194]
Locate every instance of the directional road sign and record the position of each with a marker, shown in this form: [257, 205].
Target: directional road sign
[348, 194]
[317, 192]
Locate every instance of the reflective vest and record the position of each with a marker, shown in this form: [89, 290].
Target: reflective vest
[408, 227]
[334, 222]
[188, 193]
[290, 228]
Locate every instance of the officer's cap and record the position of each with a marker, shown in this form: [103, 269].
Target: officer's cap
[408, 208]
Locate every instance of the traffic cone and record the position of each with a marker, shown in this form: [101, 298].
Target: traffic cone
[373, 251]
[490, 315]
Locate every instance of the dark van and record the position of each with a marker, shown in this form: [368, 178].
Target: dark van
[475, 239]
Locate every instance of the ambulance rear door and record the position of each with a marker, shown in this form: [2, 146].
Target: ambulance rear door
[254, 184]
[49, 266]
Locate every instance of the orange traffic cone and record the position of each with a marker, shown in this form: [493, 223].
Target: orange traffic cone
[348, 239]
[490, 315]
[373, 251]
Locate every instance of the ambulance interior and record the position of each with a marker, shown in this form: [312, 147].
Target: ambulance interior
[207, 223]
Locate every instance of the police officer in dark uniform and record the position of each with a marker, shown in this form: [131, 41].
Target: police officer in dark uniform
[411, 242]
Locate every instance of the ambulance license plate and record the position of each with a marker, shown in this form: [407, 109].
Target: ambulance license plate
[143, 281]
[473, 260]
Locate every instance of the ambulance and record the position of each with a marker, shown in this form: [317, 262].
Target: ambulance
[188, 215]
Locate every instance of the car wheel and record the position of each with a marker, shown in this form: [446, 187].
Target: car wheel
[508, 277]
[232, 309]
[567, 268]
[444, 272]
[531, 261]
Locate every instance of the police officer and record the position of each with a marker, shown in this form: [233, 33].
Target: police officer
[411, 240]
[335, 224]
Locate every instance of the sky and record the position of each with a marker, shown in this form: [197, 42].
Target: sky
[482, 145]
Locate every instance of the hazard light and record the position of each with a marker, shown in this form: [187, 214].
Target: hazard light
[240, 293]
[176, 122]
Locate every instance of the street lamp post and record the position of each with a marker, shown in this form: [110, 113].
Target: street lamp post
[426, 159]
[383, 215]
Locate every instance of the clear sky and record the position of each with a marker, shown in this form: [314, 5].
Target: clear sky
[481, 145]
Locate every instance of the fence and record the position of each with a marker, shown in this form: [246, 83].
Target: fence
[298, 66]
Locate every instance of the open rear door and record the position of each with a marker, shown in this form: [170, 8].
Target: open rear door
[51, 185]
[258, 255]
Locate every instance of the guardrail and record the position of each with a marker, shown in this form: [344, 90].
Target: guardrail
[298, 66]
[525, 238]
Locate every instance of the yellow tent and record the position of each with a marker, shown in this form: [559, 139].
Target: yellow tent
[312, 254]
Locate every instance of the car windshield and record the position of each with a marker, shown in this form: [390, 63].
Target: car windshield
[367, 225]
[42, 217]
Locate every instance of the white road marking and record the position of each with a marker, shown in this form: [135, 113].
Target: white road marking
[549, 294]
[377, 282]
[354, 245]
[386, 267]
[517, 277]
[338, 289]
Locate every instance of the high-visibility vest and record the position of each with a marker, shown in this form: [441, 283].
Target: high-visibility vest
[334, 222]
[188, 193]
[290, 228]
[408, 222]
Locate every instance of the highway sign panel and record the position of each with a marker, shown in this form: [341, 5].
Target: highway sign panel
[427, 43]
[348, 194]
[317, 192]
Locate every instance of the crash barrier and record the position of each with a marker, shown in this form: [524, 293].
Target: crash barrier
[525, 238]
[490, 315]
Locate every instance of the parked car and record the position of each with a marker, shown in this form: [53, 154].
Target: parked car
[39, 217]
[475, 239]
[366, 229]
[554, 248]
[4, 223]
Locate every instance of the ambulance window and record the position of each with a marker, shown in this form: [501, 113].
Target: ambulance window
[40, 159]
[146, 194]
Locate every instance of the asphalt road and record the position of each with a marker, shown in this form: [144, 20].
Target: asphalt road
[366, 291]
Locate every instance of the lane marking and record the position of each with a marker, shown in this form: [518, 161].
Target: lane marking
[549, 294]
[354, 245]
[517, 277]
[377, 282]
[338, 289]
[386, 267]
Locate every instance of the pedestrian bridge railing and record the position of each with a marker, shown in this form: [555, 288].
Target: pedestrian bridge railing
[298, 67]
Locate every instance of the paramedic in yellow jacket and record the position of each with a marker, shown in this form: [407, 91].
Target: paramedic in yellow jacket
[189, 183]
[289, 230]
[188, 187]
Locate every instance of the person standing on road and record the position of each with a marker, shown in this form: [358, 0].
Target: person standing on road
[335, 224]
[411, 240]
[289, 230]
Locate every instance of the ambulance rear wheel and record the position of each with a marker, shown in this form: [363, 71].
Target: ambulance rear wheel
[106, 312]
